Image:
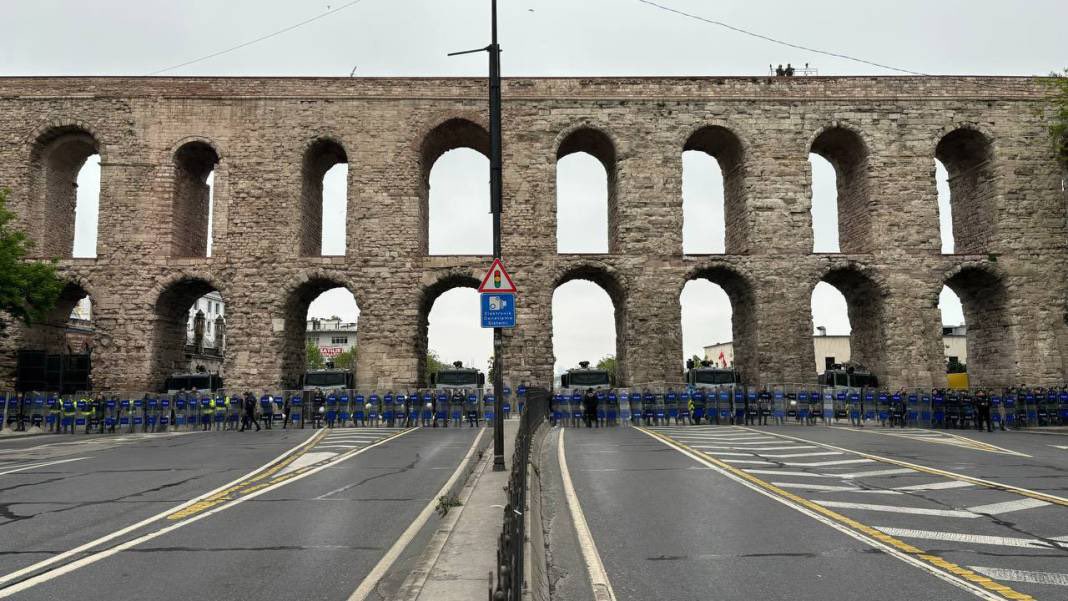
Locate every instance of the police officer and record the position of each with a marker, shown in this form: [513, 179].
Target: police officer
[472, 411]
[697, 411]
[318, 402]
[982, 411]
[764, 405]
[815, 407]
[456, 407]
[589, 407]
[207, 412]
[68, 415]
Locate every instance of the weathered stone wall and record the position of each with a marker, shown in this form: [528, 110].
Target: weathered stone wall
[883, 134]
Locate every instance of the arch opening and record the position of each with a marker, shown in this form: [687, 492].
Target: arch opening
[719, 320]
[945, 209]
[324, 199]
[954, 331]
[847, 314]
[586, 193]
[448, 328]
[190, 330]
[582, 301]
[968, 159]
[991, 354]
[455, 193]
[54, 353]
[847, 226]
[191, 215]
[321, 319]
[65, 215]
[714, 211]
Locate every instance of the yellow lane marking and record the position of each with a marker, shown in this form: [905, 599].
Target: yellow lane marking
[947, 438]
[947, 567]
[934, 471]
[266, 477]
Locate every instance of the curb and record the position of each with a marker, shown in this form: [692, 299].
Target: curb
[535, 559]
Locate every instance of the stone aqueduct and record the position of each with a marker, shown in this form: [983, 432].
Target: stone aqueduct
[270, 140]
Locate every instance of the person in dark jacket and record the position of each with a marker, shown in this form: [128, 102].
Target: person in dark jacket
[589, 407]
[248, 418]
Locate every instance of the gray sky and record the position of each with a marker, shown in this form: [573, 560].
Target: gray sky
[541, 37]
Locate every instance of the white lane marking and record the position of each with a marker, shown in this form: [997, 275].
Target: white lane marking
[808, 486]
[602, 587]
[830, 488]
[905, 557]
[948, 513]
[873, 473]
[95, 557]
[792, 455]
[1008, 506]
[725, 453]
[369, 583]
[95, 543]
[340, 447]
[827, 463]
[36, 465]
[1060, 446]
[789, 473]
[936, 485]
[1051, 578]
[748, 462]
[737, 444]
[741, 448]
[305, 460]
[961, 537]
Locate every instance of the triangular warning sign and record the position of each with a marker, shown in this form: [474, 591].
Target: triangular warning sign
[497, 279]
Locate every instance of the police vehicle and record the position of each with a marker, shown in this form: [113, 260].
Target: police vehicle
[189, 381]
[328, 379]
[849, 376]
[706, 376]
[585, 377]
[457, 376]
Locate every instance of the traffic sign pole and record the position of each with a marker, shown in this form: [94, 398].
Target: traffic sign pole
[496, 195]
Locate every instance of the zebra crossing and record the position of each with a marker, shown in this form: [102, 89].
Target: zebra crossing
[939, 437]
[999, 534]
[338, 442]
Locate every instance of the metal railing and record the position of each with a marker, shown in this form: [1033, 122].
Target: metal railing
[510, 555]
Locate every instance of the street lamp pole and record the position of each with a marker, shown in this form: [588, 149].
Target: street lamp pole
[496, 194]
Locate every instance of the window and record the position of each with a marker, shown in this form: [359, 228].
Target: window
[829, 362]
[339, 340]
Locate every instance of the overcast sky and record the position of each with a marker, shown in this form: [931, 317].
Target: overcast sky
[541, 37]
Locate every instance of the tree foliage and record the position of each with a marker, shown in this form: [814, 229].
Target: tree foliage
[315, 357]
[346, 359]
[28, 289]
[609, 364]
[954, 366]
[1058, 127]
[433, 364]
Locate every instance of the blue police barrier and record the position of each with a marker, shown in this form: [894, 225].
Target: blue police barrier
[490, 413]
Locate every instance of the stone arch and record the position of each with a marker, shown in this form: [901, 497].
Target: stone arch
[174, 296]
[616, 287]
[865, 293]
[744, 320]
[967, 152]
[984, 296]
[50, 334]
[58, 152]
[846, 149]
[599, 144]
[320, 155]
[450, 134]
[296, 301]
[729, 150]
[427, 298]
[194, 161]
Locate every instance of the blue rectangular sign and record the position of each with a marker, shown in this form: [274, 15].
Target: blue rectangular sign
[498, 310]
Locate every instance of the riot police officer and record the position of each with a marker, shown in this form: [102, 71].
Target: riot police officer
[763, 406]
[815, 408]
[318, 409]
[589, 407]
[982, 411]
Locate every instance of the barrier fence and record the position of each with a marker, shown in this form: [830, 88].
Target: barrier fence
[127, 412]
[666, 403]
[510, 557]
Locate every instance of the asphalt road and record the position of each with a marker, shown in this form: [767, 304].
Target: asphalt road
[788, 512]
[312, 526]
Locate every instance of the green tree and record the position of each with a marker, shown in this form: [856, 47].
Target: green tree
[433, 364]
[346, 359]
[28, 289]
[1058, 127]
[608, 363]
[954, 366]
[315, 358]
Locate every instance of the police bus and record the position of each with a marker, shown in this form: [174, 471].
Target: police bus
[457, 376]
[189, 381]
[851, 387]
[707, 376]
